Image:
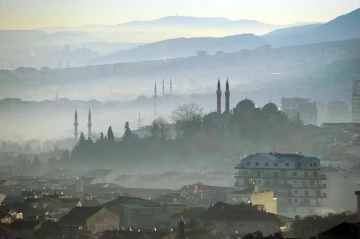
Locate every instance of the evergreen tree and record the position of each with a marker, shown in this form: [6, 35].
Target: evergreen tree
[110, 135]
[127, 131]
[82, 139]
[101, 136]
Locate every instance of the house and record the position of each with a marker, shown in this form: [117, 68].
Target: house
[2, 197]
[9, 200]
[242, 218]
[138, 234]
[344, 230]
[25, 229]
[6, 182]
[255, 196]
[25, 212]
[32, 193]
[49, 230]
[54, 204]
[5, 216]
[136, 212]
[89, 219]
[187, 215]
[88, 180]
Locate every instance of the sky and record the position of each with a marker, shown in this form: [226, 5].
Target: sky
[32, 14]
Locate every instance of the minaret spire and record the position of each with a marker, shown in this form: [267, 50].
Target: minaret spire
[89, 124]
[155, 96]
[170, 86]
[163, 87]
[218, 97]
[76, 134]
[227, 97]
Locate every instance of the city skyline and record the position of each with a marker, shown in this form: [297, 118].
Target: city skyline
[55, 13]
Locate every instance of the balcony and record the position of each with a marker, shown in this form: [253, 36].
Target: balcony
[238, 166]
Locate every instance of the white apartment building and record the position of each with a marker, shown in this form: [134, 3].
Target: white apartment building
[295, 179]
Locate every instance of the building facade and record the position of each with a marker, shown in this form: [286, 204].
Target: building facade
[305, 108]
[295, 179]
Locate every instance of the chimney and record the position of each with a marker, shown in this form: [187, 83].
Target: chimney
[357, 193]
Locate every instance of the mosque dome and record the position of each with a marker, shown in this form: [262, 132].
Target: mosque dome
[246, 104]
[270, 108]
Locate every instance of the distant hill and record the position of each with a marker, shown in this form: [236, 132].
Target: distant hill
[196, 22]
[289, 31]
[30, 38]
[183, 47]
[341, 28]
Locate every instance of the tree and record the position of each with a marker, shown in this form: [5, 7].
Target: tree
[188, 119]
[110, 135]
[127, 131]
[159, 130]
[82, 139]
[101, 137]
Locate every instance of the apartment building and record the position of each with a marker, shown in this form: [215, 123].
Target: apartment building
[295, 180]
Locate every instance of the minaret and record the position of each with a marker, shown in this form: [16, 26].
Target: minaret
[218, 97]
[76, 134]
[139, 122]
[155, 96]
[89, 125]
[170, 86]
[227, 97]
[163, 88]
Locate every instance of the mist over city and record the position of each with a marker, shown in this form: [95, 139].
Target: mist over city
[179, 119]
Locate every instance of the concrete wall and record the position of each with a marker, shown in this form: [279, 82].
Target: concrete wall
[265, 198]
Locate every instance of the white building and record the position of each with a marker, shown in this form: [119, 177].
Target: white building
[295, 179]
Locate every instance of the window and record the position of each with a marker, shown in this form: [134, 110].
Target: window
[295, 182]
[258, 173]
[295, 200]
[248, 164]
[306, 174]
[257, 163]
[306, 193]
[245, 172]
[287, 164]
[275, 164]
[266, 164]
[310, 165]
[259, 182]
[315, 174]
[295, 192]
[315, 165]
[294, 173]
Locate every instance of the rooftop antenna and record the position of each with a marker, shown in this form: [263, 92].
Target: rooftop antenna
[139, 122]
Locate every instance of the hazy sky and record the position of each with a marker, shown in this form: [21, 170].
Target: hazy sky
[29, 14]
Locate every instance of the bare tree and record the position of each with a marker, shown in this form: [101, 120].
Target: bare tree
[188, 119]
[159, 129]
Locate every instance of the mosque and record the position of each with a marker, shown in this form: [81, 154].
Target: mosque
[245, 110]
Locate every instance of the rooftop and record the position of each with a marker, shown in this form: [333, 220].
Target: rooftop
[280, 158]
